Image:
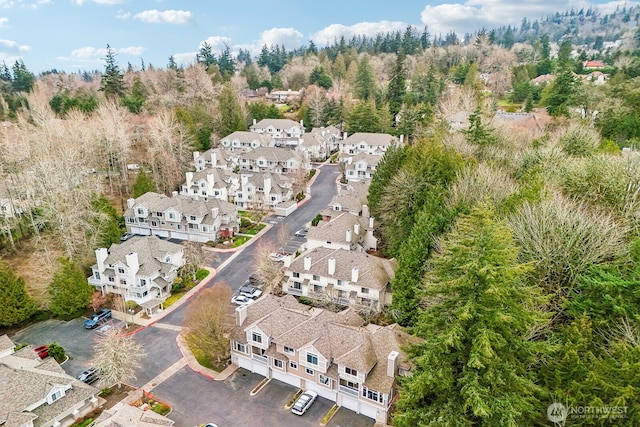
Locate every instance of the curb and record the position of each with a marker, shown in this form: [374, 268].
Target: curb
[260, 386]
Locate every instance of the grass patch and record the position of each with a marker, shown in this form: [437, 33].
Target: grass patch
[240, 240]
[160, 408]
[329, 415]
[172, 299]
[202, 358]
[256, 228]
[293, 399]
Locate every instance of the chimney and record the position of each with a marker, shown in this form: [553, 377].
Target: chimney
[210, 182]
[267, 187]
[101, 256]
[365, 211]
[214, 158]
[133, 264]
[189, 176]
[392, 361]
[241, 315]
[301, 122]
[130, 203]
[356, 229]
[307, 263]
[332, 266]
[344, 135]
[354, 274]
[401, 139]
[371, 219]
[348, 236]
[215, 212]
[196, 154]
[287, 261]
[174, 194]
[254, 122]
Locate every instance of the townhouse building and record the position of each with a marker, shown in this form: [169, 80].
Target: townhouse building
[246, 141]
[181, 217]
[281, 130]
[213, 158]
[271, 159]
[340, 276]
[360, 166]
[263, 191]
[315, 349]
[343, 231]
[369, 143]
[37, 392]
[211, 183]
[141, 269]
[320, 142]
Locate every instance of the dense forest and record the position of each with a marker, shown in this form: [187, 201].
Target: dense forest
[518, 246]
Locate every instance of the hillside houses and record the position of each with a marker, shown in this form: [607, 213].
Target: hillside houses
[271, 159]
[281, 130]
[333, 354]
[181, 217]
[245, 141]
[213, 183]
[263, 191]
[141, 269]
[361, 152]
[212, 158]
[343, 231]
[320, 142]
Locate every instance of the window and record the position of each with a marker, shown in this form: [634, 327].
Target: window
[96, 275]
[172, 215]
[123, 281]
[55, 396]
[192, 217]
[364, 290]
[256, 337]
[140, 211]
[350, 371]
[297, 285]
[312, 358]
[309, 371]
[242, 348]
[372, 394]
[296, 274]
[159, 214]
[143, 282]
[121, 270]
[293, 365]
[317, 288]
[340, 282]
[278, 363]
[179, 226]
[289, 350]
[324, 380]
[111, 279]
[205, 229]
[316, 277]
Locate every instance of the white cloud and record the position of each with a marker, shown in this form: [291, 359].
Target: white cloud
[123, 15]
[217, 43]
[106, 2]
[177, 17]
[4, 22]
[334, 31]
[131, 50]
[185, 58]
[99, 53]
[472, 15]
[289, 37]
[13, 47]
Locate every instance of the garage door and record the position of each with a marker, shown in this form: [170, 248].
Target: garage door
[368, 410]
[322, 391]
[141, 231]
[261, 369]
[179, 236]
[161, 233]
[245, 363]
[348, 402]
[285, 378]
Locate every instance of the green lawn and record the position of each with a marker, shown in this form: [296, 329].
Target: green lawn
[240, 240]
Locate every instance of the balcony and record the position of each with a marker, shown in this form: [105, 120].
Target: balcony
[294, 291]
[348, 390]
[261, 359]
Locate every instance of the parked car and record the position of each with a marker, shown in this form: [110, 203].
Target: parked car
[126, 236]
[253, 280]
[241, 300]
[98, 318]
[276, 256]
[250, 291]
[42, 351]
[304, 401]
[89, 376]
[302, 232]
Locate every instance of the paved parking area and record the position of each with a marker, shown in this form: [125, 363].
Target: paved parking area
[77, 341]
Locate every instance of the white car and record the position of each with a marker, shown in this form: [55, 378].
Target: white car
[275, 256]
[250, 291]
[241, 300]
[304, 401]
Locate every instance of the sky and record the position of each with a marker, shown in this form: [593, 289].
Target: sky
[72, 35]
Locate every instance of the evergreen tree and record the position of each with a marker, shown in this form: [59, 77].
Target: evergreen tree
[230, 118]
[144, 184]
[398, 84]
[15, 303]
[23, 80]
[109, 224]
[386, 169]
[225, 64]
[363, 117]
[205, 55]
[364, 84]
[112, 83]
[69, 290]
[475, 366]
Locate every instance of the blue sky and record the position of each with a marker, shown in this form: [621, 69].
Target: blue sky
[72, 35]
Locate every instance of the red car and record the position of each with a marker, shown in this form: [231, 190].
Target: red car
[42, 351]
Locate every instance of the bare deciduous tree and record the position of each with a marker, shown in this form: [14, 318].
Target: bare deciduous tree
[208, 321]
[118, 357]
[269, 272]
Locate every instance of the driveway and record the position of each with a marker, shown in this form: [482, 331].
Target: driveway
[196, 400]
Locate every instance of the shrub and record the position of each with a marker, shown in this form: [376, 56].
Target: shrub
[160, 408]
[131, 305]
[57, 352]
[312, 172]
[106, 391]
[300, 196]
[316, 220]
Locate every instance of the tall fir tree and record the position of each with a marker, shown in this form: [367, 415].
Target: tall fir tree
[231, 118]
[69, 290]
[398, 84]
[112, 83]
[15, 303]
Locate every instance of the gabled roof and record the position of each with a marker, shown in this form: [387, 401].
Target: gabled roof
[123, 415]
[352, 196]
[335, 230]
[380, 139]
[277, 154]
[183, 204]
[373, 272]
[150, 250]
[277, 123]
[248, 137]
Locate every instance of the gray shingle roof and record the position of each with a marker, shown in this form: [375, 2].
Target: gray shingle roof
[381, 139]
[150, 250]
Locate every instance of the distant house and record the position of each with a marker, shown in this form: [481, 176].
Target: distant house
[142, 269]
[369, 143]
[542, 79]
[283, 95]
[360, 166]
[593, 65]
[281, 130]
[340, 276]
[181, 217]
[39, 393]
[333, 354]
[245, 141]
[213, 158]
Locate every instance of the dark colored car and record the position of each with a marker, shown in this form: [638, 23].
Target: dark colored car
[98, 318]
[302, 232]
[42, 351]
[89, 376]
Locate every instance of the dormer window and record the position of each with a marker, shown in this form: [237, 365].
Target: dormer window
[256, 337]
[350, 371]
